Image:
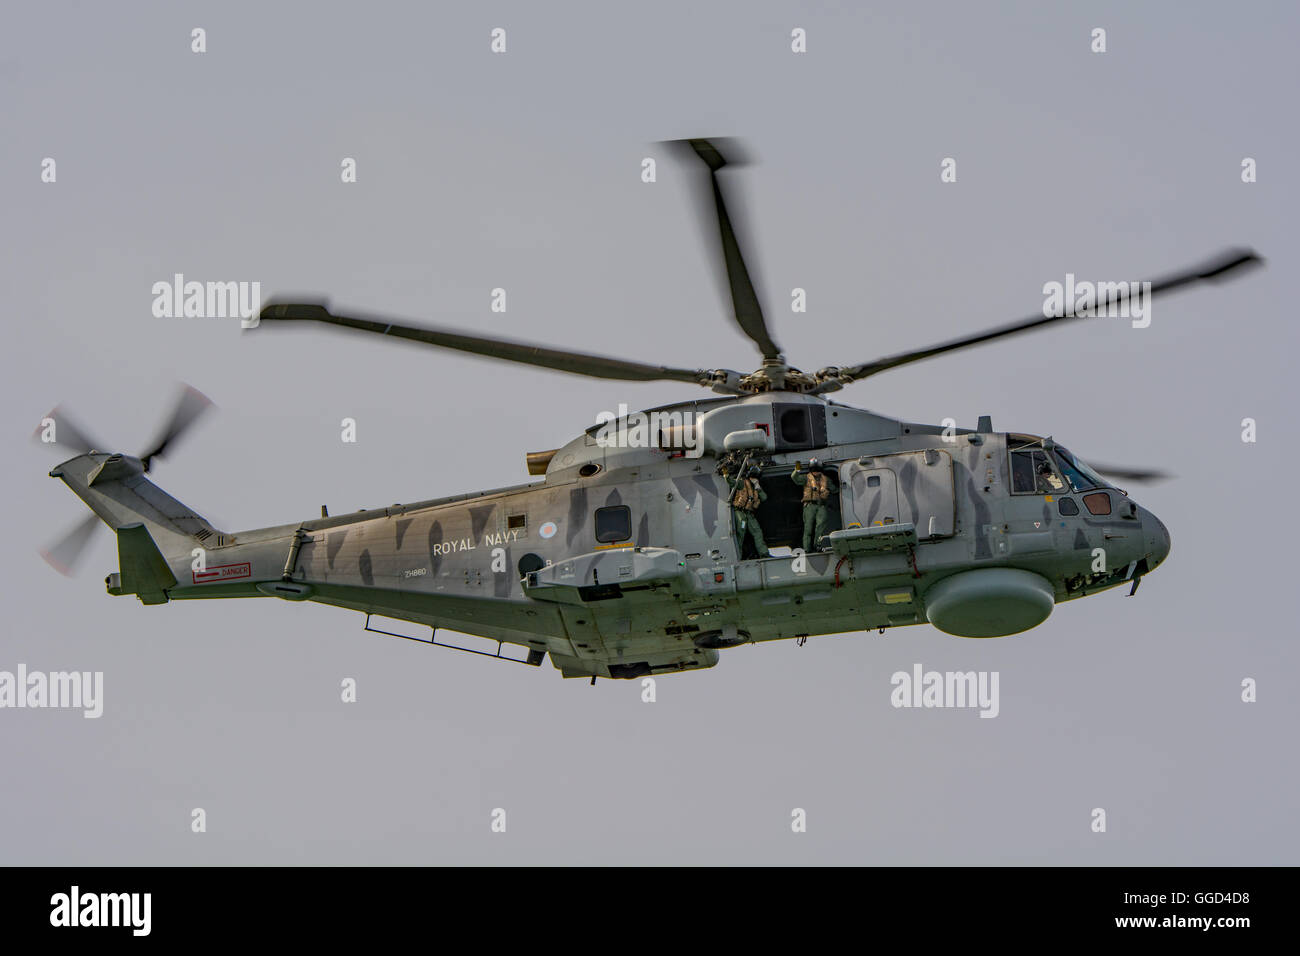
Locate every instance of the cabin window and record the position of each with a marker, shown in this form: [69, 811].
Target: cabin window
[873, 481]
[613, 524]
[515, 522]
[1066, 506]
[1033, 474]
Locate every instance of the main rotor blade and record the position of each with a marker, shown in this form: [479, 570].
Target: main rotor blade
[189, 406]
[64, 554]
[1213, 270]
[579, 363]
[1131, 474]
[68, 435]
[744, 300]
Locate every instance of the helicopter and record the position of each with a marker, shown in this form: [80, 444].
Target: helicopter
[624, 559]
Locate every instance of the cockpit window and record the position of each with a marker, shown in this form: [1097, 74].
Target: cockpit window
[1078, 474]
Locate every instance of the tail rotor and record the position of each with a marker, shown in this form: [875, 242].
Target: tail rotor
[58, 428]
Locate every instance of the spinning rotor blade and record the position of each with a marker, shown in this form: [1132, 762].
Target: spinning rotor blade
[744, 300]
[64, 554]
[189, 406]
[67, 435]
[579, 363]
[1132, 474]
[1213, 270]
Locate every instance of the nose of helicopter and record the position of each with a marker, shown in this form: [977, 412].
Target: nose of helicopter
[1157, 540]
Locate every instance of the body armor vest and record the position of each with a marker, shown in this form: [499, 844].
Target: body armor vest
[816, 489]
[745, 497]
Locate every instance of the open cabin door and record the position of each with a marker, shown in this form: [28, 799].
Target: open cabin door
[914, 487]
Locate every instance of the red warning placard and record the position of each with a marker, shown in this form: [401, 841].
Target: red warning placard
[223, 572]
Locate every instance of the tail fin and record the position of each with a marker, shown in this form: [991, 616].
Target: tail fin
[144, 571]
[116, 489]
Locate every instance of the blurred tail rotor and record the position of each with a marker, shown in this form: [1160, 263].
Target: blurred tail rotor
[64, 554]
[60, 430]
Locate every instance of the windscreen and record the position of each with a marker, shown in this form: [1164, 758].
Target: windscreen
[1076, 472]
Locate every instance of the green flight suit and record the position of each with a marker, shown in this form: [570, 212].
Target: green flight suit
[816, 513]
[743, 519]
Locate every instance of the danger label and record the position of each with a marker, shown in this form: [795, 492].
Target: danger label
[224, 572]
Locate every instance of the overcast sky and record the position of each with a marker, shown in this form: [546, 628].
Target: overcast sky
[522, 171]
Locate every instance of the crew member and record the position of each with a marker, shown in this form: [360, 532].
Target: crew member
[818, 486]
[1048, 483]
[746, 495]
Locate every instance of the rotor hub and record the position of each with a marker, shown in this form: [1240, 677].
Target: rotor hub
[776, 376]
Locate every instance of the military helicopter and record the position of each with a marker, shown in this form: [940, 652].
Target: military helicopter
[623, 559]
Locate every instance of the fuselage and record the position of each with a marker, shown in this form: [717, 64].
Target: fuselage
[623, 560]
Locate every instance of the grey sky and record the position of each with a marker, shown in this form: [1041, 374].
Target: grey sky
[522, 171]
